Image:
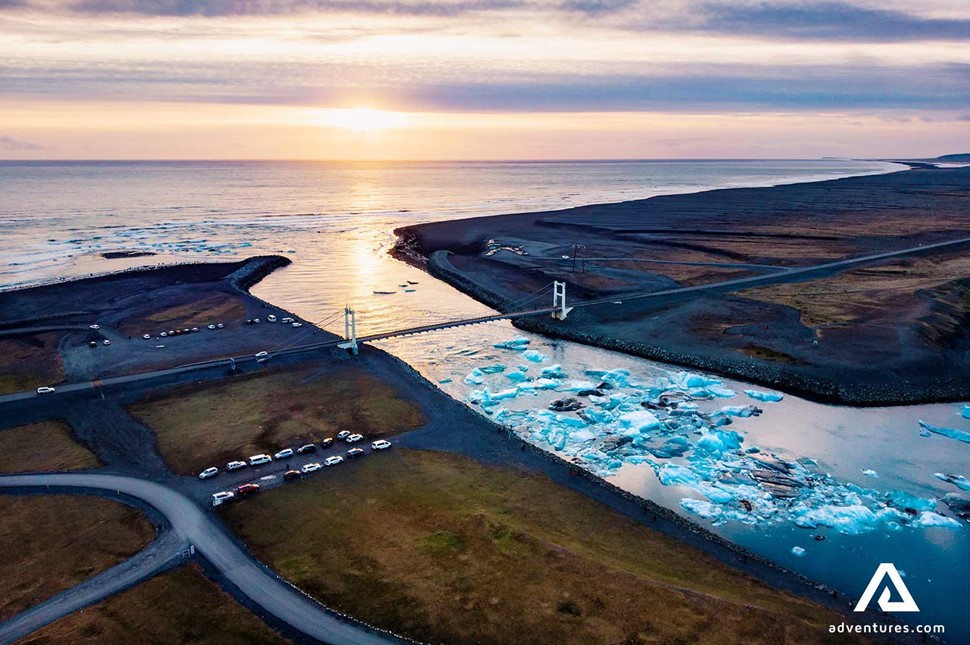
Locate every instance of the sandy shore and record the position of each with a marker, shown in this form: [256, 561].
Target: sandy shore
[907, 317]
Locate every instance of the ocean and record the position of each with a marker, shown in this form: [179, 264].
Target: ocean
[336, 222]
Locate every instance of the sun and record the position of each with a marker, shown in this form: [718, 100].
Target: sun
[362, 119]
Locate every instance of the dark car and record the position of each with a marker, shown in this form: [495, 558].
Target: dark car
[306, 450]
[353, 453]
[93, 344]
[247, 489]
[291, 474]
[326, 443]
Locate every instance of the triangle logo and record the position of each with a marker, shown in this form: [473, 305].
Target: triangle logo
[906, 602]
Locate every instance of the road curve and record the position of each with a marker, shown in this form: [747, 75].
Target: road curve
[249, 576]
[162, 553]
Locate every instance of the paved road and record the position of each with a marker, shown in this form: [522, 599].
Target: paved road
[252, 579]
[161, 554]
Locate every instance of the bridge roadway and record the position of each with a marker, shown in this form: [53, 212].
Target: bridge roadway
[666, 295]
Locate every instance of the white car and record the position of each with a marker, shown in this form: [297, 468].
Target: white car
[380, 444]
[354, 438]
[106, 342]
[235, 465]
[257, 460]
[211, 327]
[333, 461]
[343, 434]
[220, 326]
[262, 354]
[297, 324]
[94, 326]
[285, 453]
[255, 321]
[212, 471]
[164, 334]
[45, 390]
[287, 320]
[311, 467]
[271, 318]
[221, 497]
[146, 336]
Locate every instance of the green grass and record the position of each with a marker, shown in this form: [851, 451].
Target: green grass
[42, 447]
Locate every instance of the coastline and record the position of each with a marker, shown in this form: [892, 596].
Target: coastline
[914, 378]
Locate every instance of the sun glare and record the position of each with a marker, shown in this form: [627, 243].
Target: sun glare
[362, 119]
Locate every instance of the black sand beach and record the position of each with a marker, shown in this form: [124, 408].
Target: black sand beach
[891, 332]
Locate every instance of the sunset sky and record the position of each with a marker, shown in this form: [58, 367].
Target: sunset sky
[482, 79]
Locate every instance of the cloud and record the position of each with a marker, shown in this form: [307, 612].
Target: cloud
[215, 8]
[832, 21]
[12, 143]
[596, 7]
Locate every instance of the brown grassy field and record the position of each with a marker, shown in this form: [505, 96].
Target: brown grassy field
[440, 548]
[51, 543]
[864, 294]
[215, 424]
[182, 606]
[214, 307]
[28, 362]
[41, 447]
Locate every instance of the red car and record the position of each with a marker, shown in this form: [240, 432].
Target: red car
[247, 489]
[291, 474]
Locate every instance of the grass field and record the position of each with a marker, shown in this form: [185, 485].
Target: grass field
[51, 543]
[42, 447]
[182, 606]
[213, 308]
[213, 425]
[28, 362]
[442, 549]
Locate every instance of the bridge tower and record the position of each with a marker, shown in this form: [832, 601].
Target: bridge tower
[559, 301]
[350, 330]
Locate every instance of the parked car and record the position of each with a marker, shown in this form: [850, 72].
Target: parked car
[285, 453]
[221, 497]
[94, 326]
[311, 467]
[261, 354]
[195, 330]
[271, 318]
[219, 326]
[235, 465]
[297, 324]
[326, 443]
[164, 334]
[333, 461]
[381, 444]
[247, 489]
[354, 438]
[292, 474]
[353, 453]
[255, 321]
[211, 471]
[257, 460]
[45, 390]
[211, 327]
[93, 343]
[287, 320]
[146, 336]
[306, 449]
[106, 342]
[343, 434]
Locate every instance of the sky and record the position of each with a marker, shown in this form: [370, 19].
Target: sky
[483, 79]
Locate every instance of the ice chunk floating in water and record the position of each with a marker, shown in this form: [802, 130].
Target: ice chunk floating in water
[952, 433]
[533, 355]
[797, 550]
[768, 397]
[516, 344]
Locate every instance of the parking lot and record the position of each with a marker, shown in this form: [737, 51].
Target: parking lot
[270, 475]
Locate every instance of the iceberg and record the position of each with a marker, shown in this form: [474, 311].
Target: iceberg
[516, 344]
[799, 551]
[742, 411]
[849, 520]
[553, 371]
[639, 420]
[929, 518]
[965, 412]
[701, 507]
[671, 474]
[493, 369]
[533, 355]
[869, 472]
[952, 433]
[475, 377]
[517, 377]
[957, 480]
[767, 397]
